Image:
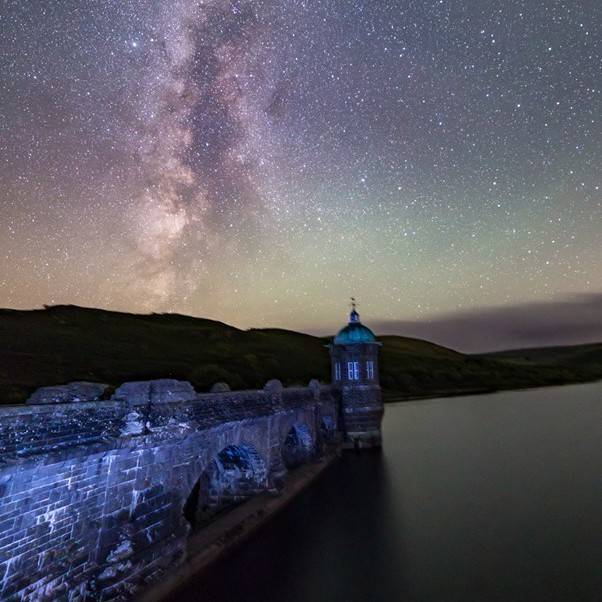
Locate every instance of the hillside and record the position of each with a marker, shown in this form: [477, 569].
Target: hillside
[65, 343]
[411, 367]
[583, 357]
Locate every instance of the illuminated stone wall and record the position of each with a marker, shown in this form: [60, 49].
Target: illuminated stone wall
[97, 498]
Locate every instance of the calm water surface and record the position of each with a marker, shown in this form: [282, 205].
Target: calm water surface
[486, 498]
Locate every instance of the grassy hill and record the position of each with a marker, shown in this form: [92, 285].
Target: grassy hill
[411, 367]
[65, 343]
[582, 357]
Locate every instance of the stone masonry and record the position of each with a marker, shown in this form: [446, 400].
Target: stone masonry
[97, 498]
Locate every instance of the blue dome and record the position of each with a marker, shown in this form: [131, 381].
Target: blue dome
[354, 332]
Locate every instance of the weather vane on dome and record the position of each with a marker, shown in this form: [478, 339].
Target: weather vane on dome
[354, 316]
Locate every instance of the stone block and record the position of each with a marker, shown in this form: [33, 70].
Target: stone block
[70, 393]
[220, 388]
[273, 386]
[155, 391]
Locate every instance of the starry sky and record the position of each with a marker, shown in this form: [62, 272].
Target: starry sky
[258, 162]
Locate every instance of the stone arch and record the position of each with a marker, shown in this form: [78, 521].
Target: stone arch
[191, 505]
[236, 473]
[327, 429]
[298, 446]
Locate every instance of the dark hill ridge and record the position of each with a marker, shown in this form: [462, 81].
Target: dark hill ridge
[587, 355]
[65, 343]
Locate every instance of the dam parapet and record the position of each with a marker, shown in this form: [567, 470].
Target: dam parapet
[97, 498]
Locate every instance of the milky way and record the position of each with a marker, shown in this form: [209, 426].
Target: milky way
[259, 162]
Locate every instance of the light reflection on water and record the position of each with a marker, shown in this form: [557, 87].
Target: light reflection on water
[485, 498]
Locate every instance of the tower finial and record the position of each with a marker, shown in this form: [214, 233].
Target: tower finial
[353, 316]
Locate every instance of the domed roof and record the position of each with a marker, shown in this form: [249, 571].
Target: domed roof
[354, 332]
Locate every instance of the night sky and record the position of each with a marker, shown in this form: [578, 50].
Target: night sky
[260, 162]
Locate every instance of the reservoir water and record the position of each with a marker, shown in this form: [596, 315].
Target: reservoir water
[483, 498]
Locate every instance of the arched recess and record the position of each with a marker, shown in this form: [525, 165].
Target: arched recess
[327, 429]
[298, 446]
[236, 473]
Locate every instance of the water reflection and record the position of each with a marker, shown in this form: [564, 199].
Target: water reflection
[492, 498]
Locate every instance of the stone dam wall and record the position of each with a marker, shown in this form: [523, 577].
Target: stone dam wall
[97, 499]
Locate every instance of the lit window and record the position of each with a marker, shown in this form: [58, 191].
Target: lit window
[353, 370]
[350, 370]
[337, 371]
[370, 369]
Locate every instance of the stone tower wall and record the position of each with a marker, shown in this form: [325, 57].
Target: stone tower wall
[361, 400]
